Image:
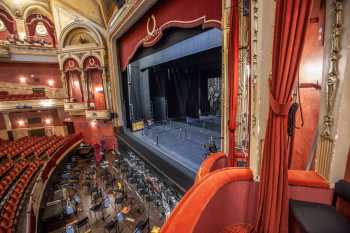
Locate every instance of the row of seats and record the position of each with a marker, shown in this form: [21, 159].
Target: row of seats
[14, 97]
[27, 146]
[5, 167]
[49, 144]
[12, 204]
[50, 151]
[7, 181]
[12, 149]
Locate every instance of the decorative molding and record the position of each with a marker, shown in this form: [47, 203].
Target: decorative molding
[326, 143]
[254, 68]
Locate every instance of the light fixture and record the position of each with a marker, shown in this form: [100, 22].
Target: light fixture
[48, 121]
[22, 35]
[98, 89]
[22, 79]
[20, 122]
[47, 103]
[93, 124]
[51, 82]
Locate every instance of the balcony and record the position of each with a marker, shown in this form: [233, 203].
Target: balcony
[75, 108]
[35, 104]
[98, 114]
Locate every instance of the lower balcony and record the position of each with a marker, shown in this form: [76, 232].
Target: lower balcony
[76, 109]
[98, 115]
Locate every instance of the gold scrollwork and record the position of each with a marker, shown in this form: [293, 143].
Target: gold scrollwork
[326, 144]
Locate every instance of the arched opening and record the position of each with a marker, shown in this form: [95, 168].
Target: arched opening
[94, 82]
[40, 29]
[73, 80]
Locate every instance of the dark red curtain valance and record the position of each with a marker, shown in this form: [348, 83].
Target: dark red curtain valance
[8, 21]
[33, 20]
[291, 21]
[165, 14]
[233, 62]
[70, 65]
[91, 62]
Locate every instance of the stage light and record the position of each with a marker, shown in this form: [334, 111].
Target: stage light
[93, 124]
[48, 121]
[98, 89]
[51, 82]
[22, 79]
[20, 122]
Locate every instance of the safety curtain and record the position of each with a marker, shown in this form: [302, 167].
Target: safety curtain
[291, 21]
[233, 61]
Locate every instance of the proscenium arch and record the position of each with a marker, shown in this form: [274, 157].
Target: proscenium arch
[75, 25]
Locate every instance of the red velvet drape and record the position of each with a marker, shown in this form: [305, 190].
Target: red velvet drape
[233, 59]
[75, 89]
[33, 20]
[291, 21]
[94, 83]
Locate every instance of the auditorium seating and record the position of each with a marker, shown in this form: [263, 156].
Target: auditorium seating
[12, 175]
[28, 146]
[5, 166]
[16, 176]
[12, 203]
[15, 97]
[320, 218]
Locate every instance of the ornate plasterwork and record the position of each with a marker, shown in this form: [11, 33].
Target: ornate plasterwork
[41, 30]
[326, 144]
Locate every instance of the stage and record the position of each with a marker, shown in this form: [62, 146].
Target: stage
[183, 142]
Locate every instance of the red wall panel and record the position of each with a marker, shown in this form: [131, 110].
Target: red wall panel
[48, 114]
[304, 136]
[2, 122]
[95, 133]
[11, 72]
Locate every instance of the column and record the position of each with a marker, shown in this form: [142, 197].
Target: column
[105, 88]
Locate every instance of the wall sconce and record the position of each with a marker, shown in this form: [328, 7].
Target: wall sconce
[22, 35]
[22, 79]
[20, 123]
[98, 89]
[50, 82]
[93, 124]
[48, 121]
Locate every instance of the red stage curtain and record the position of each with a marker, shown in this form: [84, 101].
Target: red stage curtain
[164, 15]
[291, 21]
[233, 60]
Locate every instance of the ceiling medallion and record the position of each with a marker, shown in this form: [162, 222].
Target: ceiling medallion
[2, 26]
[40, 29]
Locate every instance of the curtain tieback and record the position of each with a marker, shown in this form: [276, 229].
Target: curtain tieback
[280, 109]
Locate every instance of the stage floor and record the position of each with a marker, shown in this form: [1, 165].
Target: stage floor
[183, 142]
